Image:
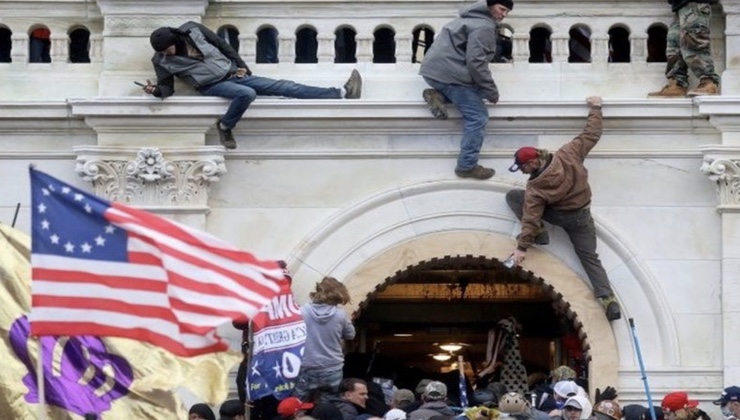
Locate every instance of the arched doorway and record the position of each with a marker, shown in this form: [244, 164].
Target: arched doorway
[367, 242]
[458, 300]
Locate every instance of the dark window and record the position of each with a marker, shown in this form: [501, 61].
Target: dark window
[267, 45]
[503, 46]
[579, 45]
[231, 35]
[656, 44]
[345, 46]
[619, 45]
[306, 46]
[6, 44]
[39, 46]
[384, 46]
[423, 37]
[79, 46]
[540, 46]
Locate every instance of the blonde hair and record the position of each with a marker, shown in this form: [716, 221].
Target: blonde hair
[331, 292]
[543, 155]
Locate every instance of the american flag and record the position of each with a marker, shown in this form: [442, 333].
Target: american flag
[106, 269]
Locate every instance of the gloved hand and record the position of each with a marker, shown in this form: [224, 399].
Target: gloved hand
[493, 99]
[609, 393]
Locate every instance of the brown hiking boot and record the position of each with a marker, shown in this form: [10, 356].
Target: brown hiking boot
[671, 90]
[436, 103]
[477, 172]
[706, 87]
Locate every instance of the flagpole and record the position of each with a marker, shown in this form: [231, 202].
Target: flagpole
[40, 380]
[248, 408]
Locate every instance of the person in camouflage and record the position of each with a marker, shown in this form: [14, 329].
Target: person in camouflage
[688, 47]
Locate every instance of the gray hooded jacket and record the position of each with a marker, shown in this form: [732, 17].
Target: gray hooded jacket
[326, 327]
[463, 49]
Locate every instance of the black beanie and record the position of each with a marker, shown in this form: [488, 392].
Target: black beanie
[162, 38]
[509, 4]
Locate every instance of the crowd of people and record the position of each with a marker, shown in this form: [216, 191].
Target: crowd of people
[558, 398]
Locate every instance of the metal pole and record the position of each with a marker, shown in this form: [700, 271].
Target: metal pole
[15, 216]
[40, 379]
[642, 369]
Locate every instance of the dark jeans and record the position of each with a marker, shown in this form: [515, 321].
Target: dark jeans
[244, 90]
[579, 225]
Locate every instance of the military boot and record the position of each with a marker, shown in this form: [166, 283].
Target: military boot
[611, 307]
[671, 90]
[706, 87]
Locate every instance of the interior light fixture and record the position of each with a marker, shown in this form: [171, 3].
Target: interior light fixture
[450, 347]
[442, 357]
[403, 335]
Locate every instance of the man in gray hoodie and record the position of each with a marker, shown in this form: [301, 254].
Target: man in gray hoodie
[456, 67]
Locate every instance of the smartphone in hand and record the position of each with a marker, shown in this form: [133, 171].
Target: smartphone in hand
[139, 84]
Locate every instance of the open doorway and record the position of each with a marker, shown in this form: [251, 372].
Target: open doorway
[459, 300]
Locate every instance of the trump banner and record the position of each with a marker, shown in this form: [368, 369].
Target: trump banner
[278, 339]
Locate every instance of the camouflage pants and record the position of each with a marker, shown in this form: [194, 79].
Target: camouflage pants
[688, 44]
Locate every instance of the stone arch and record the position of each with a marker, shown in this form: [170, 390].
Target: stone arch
[371, 240]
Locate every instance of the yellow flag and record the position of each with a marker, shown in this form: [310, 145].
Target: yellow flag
[114, 378]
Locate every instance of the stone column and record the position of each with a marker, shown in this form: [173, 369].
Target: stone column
[286, 48]
[520, 47]
[731, 75]
[722, 166]
[127, 26]
[19, 50]
[173, 182]
[560, 49]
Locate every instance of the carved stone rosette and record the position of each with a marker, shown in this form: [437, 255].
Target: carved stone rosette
[152, 177]
[725, 173]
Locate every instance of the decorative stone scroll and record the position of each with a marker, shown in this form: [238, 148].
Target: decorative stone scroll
[154, 177]
[726, 174]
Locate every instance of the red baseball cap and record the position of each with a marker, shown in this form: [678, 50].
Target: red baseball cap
[291, 405]
[522, 156]
[676, 401]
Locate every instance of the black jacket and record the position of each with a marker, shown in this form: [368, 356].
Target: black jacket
[166, 79]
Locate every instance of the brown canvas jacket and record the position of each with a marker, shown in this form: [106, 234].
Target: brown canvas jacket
[563, 184]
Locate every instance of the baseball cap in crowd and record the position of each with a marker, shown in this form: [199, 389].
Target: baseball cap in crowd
[421, 386]
[403, 397]
[513, 403]
[291, 405]
[435, 391]
[731, 393]
[609, 408]
[395, 414]
[522, 156]
[676, 401]
[573, 402]
[565, 389]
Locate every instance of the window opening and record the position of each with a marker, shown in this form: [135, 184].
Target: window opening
[6, 45]
[619, 45]
[384, 46]
[656, 44]
[503, 45]
[422, 39]
[39, 46]
[345, 46]
[306, 46]
[79, 46]
[229, 34]
[267, 46]
[540, 45]
[579, 45]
